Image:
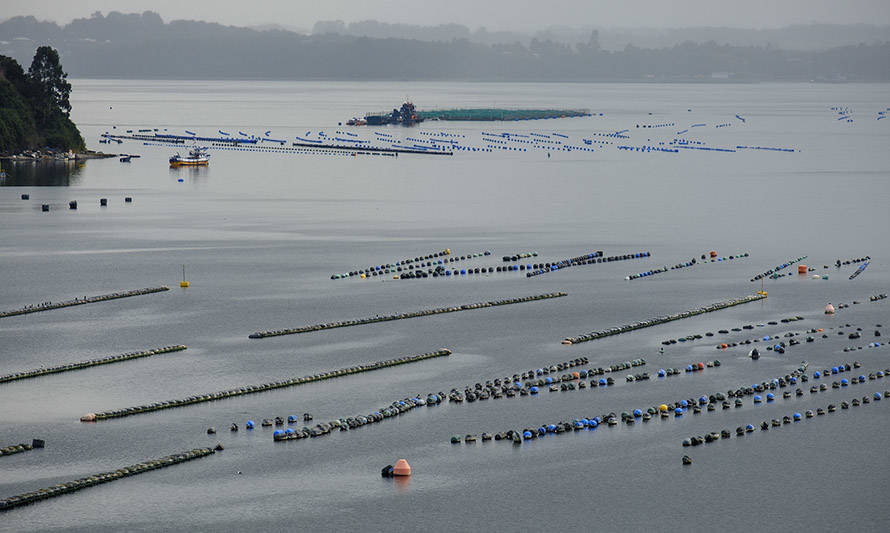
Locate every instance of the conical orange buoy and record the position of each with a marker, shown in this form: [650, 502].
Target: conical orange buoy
[401, 468]
[713, 253]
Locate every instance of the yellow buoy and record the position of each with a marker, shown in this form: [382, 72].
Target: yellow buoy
[663, 407]
[183, 283]
[447, 251]
[762, 292]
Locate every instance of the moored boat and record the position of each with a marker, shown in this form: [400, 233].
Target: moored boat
[196, 157]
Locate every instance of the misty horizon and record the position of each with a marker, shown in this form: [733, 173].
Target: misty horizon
[144, 46]
[495, 15]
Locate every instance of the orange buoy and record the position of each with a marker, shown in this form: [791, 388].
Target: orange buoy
[401, 468]
[801, 269]
[713, 253]
[724, 346]
[576, 375]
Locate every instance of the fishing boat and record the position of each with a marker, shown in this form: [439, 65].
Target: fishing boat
[196, 157]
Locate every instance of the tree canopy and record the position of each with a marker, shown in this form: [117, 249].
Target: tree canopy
[35, 106]
[46, 70]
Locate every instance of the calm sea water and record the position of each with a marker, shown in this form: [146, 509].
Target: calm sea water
[261, 234]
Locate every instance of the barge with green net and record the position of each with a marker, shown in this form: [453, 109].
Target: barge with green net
[408, 115]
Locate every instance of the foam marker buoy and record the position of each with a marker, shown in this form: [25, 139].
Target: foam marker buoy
[401, 468]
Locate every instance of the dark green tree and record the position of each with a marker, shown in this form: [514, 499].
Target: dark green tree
[46, 71]
[34, 107]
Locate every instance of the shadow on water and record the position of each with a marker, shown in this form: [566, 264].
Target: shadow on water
[41, 173]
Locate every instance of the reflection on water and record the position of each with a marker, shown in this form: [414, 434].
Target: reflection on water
[402, 483]
[50, 173]
[196, 174]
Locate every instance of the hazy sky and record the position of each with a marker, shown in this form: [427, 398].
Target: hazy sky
[494, 14]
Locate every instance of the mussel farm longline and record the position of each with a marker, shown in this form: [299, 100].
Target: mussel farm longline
[529, 385]
[91, 362]
[48, 306]
[105, 477]
[676, 409]
[741, 431]
[401, 316]
[661, 320]
[398, 407]
[23, 447]
[252, 389]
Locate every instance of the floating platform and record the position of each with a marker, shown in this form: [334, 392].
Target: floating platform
[500, 114]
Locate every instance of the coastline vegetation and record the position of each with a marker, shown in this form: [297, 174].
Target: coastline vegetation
[35, 107]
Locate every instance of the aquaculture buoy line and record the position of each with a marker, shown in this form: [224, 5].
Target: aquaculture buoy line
[408, 264]
[592, 258]
[852, 261]
[518, 256]
[775, 342]
[510, 387]
[435, 269]
[778, 268]
[647, 148]
[402, 316]
[91, 362]
[531, 269]
[665, 410]
[686, 264]
[859, 270]
[526, 385]
[737, 329]
[252, 389]
[440, 271]
[19, 448]
[768, 148]
[785, 420]
[104, 477]
[530, 382]
[776, 337]
[681, 407]
[661, 320]
[47, 306]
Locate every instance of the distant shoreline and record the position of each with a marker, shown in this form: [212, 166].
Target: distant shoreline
[545, 82]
